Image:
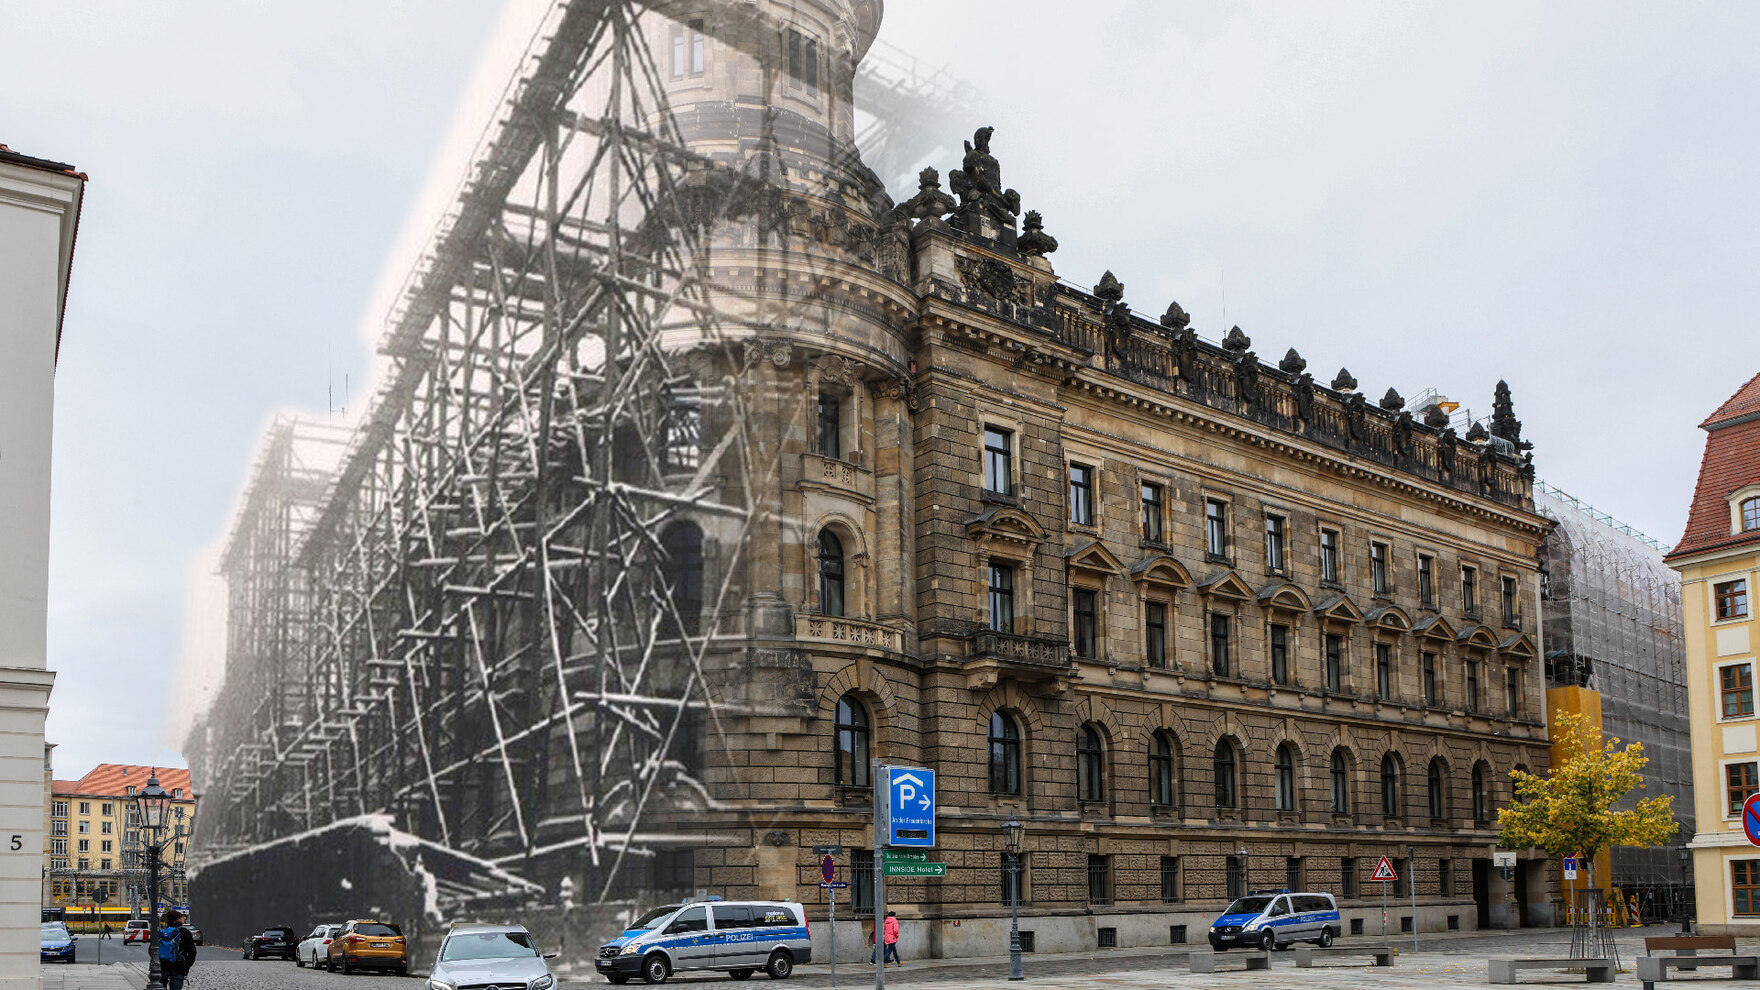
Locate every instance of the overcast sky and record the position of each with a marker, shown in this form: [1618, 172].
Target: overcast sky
[1432, 195]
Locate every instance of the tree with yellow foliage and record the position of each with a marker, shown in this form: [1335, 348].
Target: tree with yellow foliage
[1570, 810]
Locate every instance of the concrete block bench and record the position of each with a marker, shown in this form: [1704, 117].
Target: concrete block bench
[1596, 970]
[1204, 960]
[1306, 954]
[1654, 969]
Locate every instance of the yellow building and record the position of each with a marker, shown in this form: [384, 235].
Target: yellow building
[95, 843]
[1719, 560]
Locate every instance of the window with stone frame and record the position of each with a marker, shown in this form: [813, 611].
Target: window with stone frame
[1085, 622]
[1234, 876]
[1001, 585]
[854, 733]
[1153, 505]
[1334, 662]
[803, 63]
[1481, 807]
[1732, 599]
[1081, 494]
[830, 425]
[998, 461]
[1279, 654]
[1436, 790]
[1013, 875]
[1216, 528]
[830, 573]
[1155, 633]
[1163, 777]
[1284, 778]
[1741, 781]
[1331, 568]
[687, 49]
[1223, 770]
[1099, 879]
[1090, 764]
[1005, 754]
[1744, 887]
[1472, 685]
[1170, 880]
[1512, 689]
[1219, 654]
[1470, 590]
[1432, 689]
[1275, 527]
[1378, 573]
[1390, 806]
[1341, 783]
[1736, 689]
[1384, 671]
[1511, 610]
[1426, 581]
[1750, 512]
[1347, 874]
[861, 888]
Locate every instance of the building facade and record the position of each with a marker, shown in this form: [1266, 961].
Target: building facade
[95, 864]
[39, 215]
[887, 489]
[1719, 560]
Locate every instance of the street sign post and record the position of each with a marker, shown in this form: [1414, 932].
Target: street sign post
[1570, 867]
[903, 856]
[1751, 818]
[910, 806]
[895, 869]
[827, 869]
[1385, 874]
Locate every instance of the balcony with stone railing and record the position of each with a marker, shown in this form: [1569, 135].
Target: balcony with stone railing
[847, 632]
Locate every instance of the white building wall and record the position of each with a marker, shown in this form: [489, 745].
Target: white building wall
[39, 212]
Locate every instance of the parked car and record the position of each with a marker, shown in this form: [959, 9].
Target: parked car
[194, 932]
[367, 944]
[316, 946]
[491, 955]
[1272, 919]
[279, 941]
[57, 943]
[138, 930]
[736, 937]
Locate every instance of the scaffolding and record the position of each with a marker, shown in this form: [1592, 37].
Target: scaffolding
[1612, 617]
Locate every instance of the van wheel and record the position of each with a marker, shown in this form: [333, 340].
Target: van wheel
[740, 974]
[1269, 942]
[654, 968]
[1325, 938]
[780, 966]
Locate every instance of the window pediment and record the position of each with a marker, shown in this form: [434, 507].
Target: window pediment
[1227, 584]
[1477, 636]
[1284, 595]
[1434, 627]
[1163, 570]
[1389, 617]
[1339, 608]
[1006, 524]
[1517, 646]
[1093, 558]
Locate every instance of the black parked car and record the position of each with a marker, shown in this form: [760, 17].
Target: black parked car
[279, 941]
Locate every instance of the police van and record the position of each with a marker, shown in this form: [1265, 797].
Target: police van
[1272, 919]
[735, 937]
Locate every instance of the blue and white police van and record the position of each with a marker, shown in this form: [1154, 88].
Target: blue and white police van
[1272, 919]
[736, 937]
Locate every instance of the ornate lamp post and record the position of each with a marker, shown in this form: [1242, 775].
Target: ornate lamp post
[1011, 839]
[1686, 889]
[154, 805]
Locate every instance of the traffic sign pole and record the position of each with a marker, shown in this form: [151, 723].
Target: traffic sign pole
[881, 779]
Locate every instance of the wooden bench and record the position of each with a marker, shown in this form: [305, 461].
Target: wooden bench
[1305, 954]
[1204, 960]
[1597, 970]
[1680, 952]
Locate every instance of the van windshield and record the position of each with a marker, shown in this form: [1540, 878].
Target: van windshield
[652, 918]
[1248, 905]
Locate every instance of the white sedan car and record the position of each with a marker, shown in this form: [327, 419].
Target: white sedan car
[315, 946]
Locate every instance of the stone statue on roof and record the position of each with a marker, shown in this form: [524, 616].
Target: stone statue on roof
[978, 184]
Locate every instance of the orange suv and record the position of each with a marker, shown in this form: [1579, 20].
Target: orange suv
[365, 944]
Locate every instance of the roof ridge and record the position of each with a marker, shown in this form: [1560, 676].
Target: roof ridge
[1744, 401]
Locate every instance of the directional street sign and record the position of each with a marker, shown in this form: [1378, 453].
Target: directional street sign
[1384, 871]
[836, 885]
[910, 807]
[1751, 818]
[896, 869]
[904, 856]
[1570, 867]
[828, 869]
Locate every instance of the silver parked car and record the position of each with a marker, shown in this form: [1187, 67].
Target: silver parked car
[490, 955]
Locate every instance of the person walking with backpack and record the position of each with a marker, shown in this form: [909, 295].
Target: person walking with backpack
[891, 940]
[176, 948]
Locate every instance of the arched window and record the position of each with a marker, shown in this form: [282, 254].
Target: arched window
[1479, 807]
[1161, 771]
[1090, 765]
[682, 545]
[853, 733]
[1286, 778]
[1390, 786]
[1224, 769]
[830, 573]
[1341, 785]
[1436, 779]
[1005, 755]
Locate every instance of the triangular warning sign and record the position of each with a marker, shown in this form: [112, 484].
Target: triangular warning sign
[1384, 870]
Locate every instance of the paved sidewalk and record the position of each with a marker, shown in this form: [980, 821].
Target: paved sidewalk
[85, 976]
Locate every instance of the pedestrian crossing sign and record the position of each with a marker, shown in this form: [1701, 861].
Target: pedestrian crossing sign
[1384, 871]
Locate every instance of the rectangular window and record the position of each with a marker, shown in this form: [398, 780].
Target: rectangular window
[1274, 543]
[1334, 662]
[684, 433]
[85, 827]
[1014, 871]
[861, 888]
[85, 845]
[85, 864]
[1427, 581]
[1741, 780]
[1216, 527]
[85, 807]
[1219, 644]
[1509, 601]
[1234, 878]
[1170, 880]
[1292, 873]
[1347, 871]
[1155, 633]
[830, 425]
[58, 828]
[803, 63]
[1472, 685]
[678, 51]
[696, 48]
[1470, 591]
[1732, 600]
[1086, 622]
[1737, 683]
[1430, 687]
[103, 864]
[1329, 565]
[1280, 654]
[1001, 597]
[1378, 567]
[106, 846]
[105, 827]
[59, 809]
[1512, 686]
[1744, 885]
[1099, 880]
[1081, 494]
[1384, 671]
[1152, 513]
[998, 458]
[107, 809]
[58, 847]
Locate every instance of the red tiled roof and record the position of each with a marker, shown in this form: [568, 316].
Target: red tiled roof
[1732, 461]
[114, 779]
[64, 786]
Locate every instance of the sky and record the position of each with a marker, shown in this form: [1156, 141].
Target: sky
[1434, 195]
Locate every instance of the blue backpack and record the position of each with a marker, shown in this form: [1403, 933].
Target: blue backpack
[171, 944]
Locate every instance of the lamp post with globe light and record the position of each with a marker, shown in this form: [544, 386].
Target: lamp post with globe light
[1011, 839]
[154, 805]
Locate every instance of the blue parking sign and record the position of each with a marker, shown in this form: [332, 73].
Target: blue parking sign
[910, 807]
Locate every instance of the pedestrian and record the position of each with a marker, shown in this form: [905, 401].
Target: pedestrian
[106, 933]
[177, 949]
[892, 939]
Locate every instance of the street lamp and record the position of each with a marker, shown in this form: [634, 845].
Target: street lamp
[1686, 888]
[1246, 875]
[1011, 838]
[154, 805]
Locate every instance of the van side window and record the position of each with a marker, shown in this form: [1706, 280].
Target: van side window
[689, 920]
[1279, 907]
[778, 917]
[730, 916]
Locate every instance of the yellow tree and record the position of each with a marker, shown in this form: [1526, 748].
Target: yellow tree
[1570, 810]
